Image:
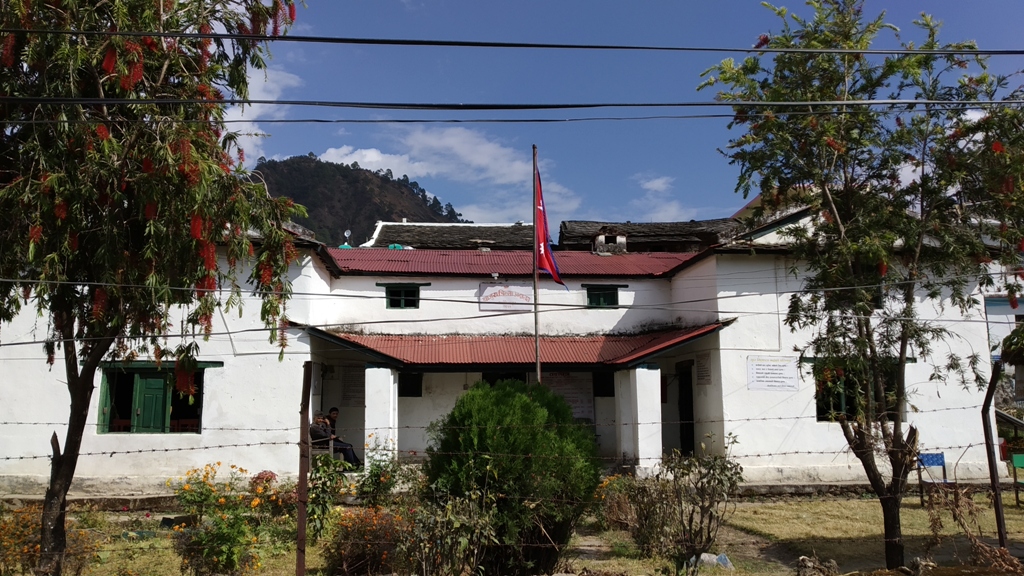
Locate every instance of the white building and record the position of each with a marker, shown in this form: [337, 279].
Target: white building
[657, 351]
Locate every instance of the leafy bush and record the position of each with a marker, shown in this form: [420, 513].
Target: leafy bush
[326, 483]
[520, 445]
[677, 513]
[379, 480]
[449, 538]
[19, 543]
[613, 511]
[364, 541]
[234, 519]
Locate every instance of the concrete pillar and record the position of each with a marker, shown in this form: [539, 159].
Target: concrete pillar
[625, 417]
[381, 422]
[638, 416]
[647, 386]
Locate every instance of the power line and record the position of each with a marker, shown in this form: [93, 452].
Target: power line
[491, 107]
[411, 42]
[729, 116]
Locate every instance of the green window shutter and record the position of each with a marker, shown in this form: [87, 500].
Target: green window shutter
[103, 421]
[149, 415]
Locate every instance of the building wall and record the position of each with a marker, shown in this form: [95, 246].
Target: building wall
[253, 390]
[358, 304]
[780, 439]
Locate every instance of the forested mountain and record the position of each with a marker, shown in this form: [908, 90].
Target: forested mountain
[341, 197]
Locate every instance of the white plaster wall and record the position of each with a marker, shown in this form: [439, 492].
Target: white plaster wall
[694, 293]
[779, 437]
[440, 391]
[357, 303]
[254, 389]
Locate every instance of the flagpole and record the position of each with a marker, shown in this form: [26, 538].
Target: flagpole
[536, 248]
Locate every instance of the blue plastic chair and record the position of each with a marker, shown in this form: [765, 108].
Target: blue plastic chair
[931, 460]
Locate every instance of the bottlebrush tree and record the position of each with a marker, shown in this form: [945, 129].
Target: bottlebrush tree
[912, 204]
[114, 204]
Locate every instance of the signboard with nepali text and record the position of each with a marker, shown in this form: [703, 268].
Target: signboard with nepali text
[494, 296]
[777, 373]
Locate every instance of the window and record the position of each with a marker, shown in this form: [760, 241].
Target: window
[140, 398]
[402, 296]
[604, 384]
[603, 295]
[410, 384]
[838, 390]
[493, 378]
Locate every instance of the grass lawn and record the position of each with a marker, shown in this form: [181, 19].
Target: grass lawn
[761, 538]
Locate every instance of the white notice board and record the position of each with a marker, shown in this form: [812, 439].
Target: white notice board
[778, 373]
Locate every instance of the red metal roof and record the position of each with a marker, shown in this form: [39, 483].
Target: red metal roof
[458, 349]
[506, 263]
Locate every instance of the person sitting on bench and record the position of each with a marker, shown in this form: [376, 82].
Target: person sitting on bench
[321, 437]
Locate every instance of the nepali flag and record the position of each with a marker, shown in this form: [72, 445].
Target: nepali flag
[542, 240]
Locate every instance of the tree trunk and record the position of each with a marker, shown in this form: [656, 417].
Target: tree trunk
[894, 549]
[53, 539]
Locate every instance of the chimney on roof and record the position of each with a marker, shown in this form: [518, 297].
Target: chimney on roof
[404, 221]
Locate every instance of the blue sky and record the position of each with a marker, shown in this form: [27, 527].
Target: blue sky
[642, 171]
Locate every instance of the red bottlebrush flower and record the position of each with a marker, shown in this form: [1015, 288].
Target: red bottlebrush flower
[1008, 185]
[151, 210]
[35, 234]
[834, 145]
[826, 216]
[102, 132]
[762, 40]
[184, 380]
[8, 51]
[147, 165]
[225, 168]
[252, 251]
[110, 60]
[266, 273]
[208, 250]
[1003, 227]
[43, 179]
[883, 268]
[997, 147]
[150, 43]
[206, 284]
[99, 303]
[1013, 301]
[196, 227]
[899, 122]
[1021, 245]
[241, 156]
[60, 210]
[206, 321]
[73, 241]
[291, 12]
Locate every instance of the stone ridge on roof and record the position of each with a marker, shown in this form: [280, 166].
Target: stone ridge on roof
[517, 236]
[717, 230]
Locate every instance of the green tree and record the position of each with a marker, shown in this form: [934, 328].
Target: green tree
[883, 242]
[114, 205]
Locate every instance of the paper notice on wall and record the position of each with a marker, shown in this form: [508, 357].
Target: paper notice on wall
[577, 388]
[702, 368]
[777, 373]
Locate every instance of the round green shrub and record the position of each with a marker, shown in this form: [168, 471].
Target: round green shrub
[517, 448]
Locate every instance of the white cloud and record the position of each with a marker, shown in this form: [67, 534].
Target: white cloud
[263, 85]
[657, 203]
[502, 173]
[660, 184]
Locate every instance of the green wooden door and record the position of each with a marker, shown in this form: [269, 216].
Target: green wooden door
[150, 399]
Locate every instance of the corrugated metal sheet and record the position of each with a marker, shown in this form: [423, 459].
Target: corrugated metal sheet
[496, 349]
[506, 263]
